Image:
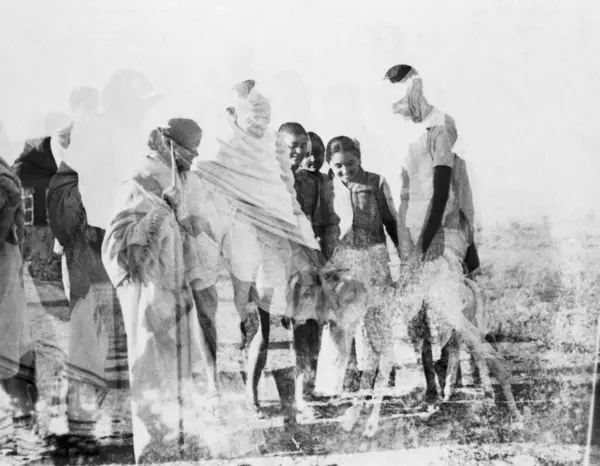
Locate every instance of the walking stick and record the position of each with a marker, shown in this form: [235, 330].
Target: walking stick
[178, 327]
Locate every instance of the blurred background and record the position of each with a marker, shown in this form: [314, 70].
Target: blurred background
[519, 77]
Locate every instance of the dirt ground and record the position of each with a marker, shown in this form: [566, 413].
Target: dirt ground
[552, 376]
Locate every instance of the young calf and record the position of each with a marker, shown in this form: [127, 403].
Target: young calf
[471, 335]
[319, 295]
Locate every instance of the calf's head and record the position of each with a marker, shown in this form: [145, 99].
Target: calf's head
[336, 297]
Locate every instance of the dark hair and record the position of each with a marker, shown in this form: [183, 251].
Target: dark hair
[293, 128]
[342, 144]
[399, 73]
[316, 141]
[185, 132]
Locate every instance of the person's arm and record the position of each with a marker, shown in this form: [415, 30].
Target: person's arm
[388, 211]
[7, 213]
[10, 198]
[443, 163]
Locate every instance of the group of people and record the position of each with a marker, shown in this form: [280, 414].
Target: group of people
[144, 231]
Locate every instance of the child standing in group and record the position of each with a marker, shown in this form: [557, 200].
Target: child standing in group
[363, 203]
[315, 197]
[324, 221]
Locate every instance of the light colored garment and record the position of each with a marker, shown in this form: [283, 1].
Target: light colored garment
[104, 153]
[16, 341]
[92, 155]
[431, 148]
[143, 252]
[14, 322]
[245, 209]
[255, 176]
[249, 253]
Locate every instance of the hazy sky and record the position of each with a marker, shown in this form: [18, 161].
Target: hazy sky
[519, 77]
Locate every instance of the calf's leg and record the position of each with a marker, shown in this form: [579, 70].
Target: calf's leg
[386, 366]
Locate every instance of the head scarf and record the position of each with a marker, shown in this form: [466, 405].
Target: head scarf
[183, 136]
[412, 103]
[252, 110]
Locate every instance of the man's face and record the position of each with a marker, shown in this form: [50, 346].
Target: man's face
[297, 148]
[254, 124]
[254, 117]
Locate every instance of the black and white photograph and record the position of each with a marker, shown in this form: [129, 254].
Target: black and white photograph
[299, 232]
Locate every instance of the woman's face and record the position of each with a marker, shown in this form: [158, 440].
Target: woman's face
[345, 165]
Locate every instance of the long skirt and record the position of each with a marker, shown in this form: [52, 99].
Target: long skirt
[17, 371]
[173, 415]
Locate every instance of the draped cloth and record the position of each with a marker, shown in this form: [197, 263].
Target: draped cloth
[255, 175]
[17, 361]
[14, 323]
[96, 352]
[245, 206]
[150, 258]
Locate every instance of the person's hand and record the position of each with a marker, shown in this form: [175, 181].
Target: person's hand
[172, 196]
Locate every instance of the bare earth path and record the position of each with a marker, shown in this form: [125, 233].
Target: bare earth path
[552, 388]
[538, 285]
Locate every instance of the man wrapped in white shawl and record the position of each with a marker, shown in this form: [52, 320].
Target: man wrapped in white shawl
[246, 206]
[149, 256]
